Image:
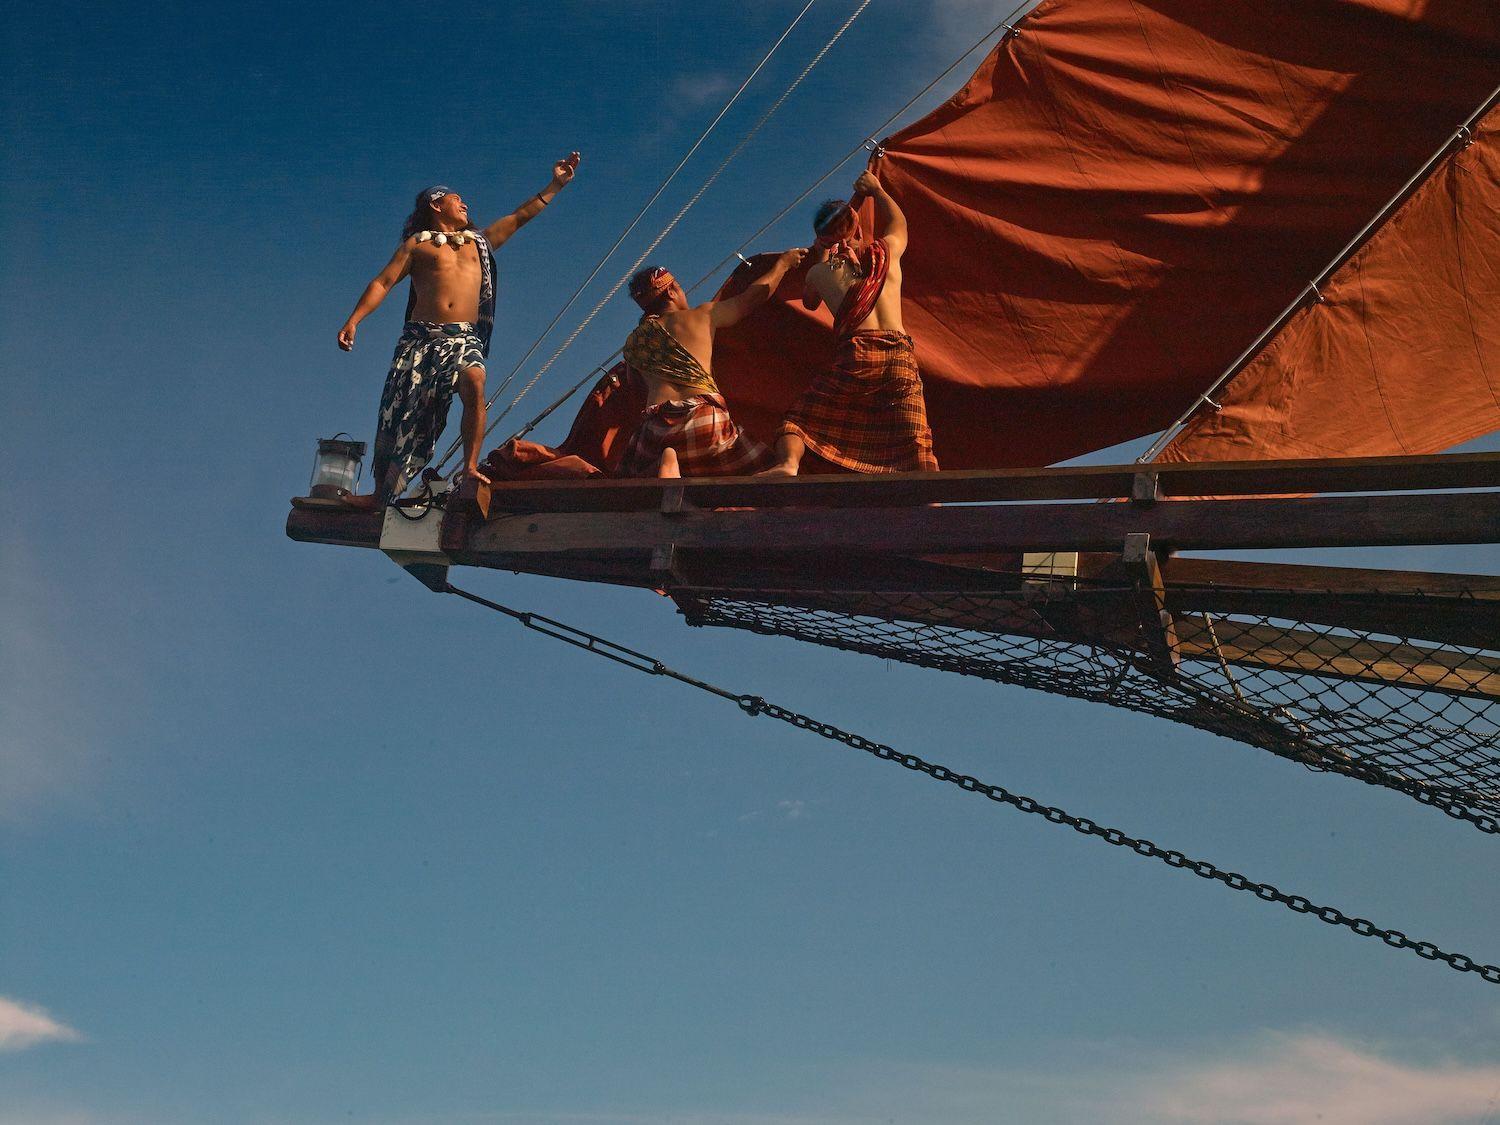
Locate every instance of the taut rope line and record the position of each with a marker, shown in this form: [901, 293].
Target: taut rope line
[712, 125]
[686, 207]
[1010, 24]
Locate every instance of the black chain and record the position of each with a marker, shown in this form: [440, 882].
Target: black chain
[754, 705]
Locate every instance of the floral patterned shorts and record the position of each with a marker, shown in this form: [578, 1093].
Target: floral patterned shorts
[418, 392]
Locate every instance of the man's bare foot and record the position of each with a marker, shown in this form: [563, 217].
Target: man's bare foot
[781, 469]
[368, 502]
[667, 468]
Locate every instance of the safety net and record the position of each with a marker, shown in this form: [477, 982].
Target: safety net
[1339, 682]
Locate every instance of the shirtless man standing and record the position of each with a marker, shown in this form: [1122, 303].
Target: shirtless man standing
[866, 413]
[686, 429]
[449, 316]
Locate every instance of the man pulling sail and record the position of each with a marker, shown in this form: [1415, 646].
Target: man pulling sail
[686, 429]
[449, 317]
[866, 413]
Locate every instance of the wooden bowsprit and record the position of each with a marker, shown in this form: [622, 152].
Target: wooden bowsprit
[1392, 677]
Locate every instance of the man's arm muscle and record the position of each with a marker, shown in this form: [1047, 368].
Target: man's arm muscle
[498, 232]
[890, 221]
[734, 309]
[397, 268]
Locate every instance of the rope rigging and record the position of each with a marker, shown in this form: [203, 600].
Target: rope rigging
[686, 207]
[1010, 25]
[754, 705]
[712, 125]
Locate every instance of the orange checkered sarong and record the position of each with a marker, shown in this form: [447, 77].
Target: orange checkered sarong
[867, 413]
[707, 441]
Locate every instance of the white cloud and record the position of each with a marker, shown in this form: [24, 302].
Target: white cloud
[960, 22]
[698, 89]
[1319, 1078]
[49, 739]
[25, 1025]
[1270, 1079]
[43, 1116]
[1274, 1079]
[788, 809]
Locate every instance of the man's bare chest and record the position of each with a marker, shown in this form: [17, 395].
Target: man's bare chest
[446, 268]
[831, 284]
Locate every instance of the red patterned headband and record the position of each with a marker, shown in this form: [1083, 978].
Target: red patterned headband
[646, 289]
[841, 226]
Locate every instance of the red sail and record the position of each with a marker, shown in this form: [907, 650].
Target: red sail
[1122, 198]
[1402, 355]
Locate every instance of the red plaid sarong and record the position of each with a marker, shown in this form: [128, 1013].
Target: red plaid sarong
[707, 441]
[867, 414]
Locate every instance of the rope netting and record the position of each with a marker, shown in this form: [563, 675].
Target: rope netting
[1339, 682]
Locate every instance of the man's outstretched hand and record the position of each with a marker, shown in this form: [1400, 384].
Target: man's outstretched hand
[791, 259]
[563, 170]
[346, 337]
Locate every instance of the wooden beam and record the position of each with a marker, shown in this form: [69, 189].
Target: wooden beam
[1108, 618]
[1452, 609]
[339, 527]
[1342, 658]
[1174, 524]
[1182, 570]
[1079, 482]
[1156, 622]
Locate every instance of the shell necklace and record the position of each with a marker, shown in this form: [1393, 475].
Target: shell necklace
[441, 238]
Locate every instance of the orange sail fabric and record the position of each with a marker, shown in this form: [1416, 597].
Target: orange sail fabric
[596, 444]
[1403, 353]
[1122, 198]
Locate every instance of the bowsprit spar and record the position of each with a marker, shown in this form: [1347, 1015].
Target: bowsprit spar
[1269, 233]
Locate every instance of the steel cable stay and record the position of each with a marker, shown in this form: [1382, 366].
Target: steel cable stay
[686, 207]
[754, 705]
[1010, 24]
[1456, 142]
[712, 125]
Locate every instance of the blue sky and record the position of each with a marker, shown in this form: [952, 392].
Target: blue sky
[284, 838]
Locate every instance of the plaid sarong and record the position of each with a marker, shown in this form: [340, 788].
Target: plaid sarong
[418, 391]
[867, 413]
[707, 441]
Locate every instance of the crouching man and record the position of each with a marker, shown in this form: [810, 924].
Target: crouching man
[686, 429]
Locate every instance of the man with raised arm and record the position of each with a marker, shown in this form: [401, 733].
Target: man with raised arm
[686, 429]
[449, 316]
[866, 413]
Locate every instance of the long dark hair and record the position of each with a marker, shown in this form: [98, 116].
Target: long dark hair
[420, 217]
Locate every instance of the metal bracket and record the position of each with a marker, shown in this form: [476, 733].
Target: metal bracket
[673, 501]
[1159, 627]
[415, 545]
[1145, 488]
[664, 566]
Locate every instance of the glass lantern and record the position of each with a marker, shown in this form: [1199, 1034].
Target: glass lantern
[337, 465]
